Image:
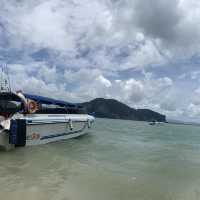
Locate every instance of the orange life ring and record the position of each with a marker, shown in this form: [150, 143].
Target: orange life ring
[32, 106]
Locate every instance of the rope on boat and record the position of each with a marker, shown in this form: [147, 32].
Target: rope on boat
[71, 124]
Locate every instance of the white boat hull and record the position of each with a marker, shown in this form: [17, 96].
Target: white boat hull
[43, 129]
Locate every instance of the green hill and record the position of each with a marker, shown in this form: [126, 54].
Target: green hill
[111, 108]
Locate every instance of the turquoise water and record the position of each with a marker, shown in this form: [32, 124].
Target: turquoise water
[117, 160]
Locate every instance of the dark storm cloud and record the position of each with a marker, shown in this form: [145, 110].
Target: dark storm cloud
[158, 19]
[171, 25]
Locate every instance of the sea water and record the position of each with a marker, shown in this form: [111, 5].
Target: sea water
[116, 160]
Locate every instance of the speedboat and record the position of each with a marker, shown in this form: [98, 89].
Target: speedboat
[154, 122]
[27, 120]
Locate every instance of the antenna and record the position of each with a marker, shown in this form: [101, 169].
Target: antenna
[5, 79]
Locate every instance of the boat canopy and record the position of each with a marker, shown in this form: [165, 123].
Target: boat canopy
[9, 96]
[46, 100]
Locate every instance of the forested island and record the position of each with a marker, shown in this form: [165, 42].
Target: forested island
[111, 108]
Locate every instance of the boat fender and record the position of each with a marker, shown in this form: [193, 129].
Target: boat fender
[32, 106]
[89, 123]
[70, 124]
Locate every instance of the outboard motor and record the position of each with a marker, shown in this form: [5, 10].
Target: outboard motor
[17, 132]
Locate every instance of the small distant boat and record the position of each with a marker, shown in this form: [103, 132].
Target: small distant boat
[154, 122]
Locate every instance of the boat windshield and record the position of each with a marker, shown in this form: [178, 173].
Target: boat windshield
[10, 103]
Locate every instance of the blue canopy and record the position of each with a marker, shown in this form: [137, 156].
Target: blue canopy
[46, 100]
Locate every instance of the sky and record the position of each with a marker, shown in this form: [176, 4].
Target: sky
[145, 53]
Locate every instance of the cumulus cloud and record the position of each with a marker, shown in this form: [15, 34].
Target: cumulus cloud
[196, 98]
[102, 80]
[132, 90]
[82, 75]
[168, 105]
[83, 49]
[193, 111]
[150, 33]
